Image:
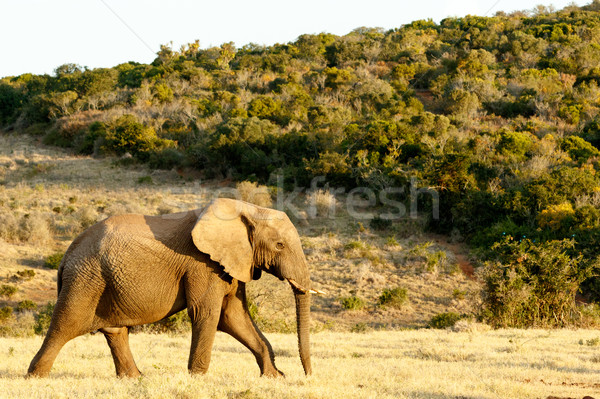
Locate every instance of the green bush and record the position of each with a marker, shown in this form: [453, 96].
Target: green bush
[7, 290]
[26, 304]
[352, 303]
[166, 158]
[53, 261]
[26, 274]
[5, 313]
[360, 328]
[91, 141]
[43, 318]
[393, 298]
[128, 135]
[533, 284]
[515, 144]
[578, 149]
[444, 320]
[178, 323]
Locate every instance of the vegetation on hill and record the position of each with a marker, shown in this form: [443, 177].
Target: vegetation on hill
[501, 115]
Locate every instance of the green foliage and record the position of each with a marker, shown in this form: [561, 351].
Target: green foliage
[53, 261]
[25, 305]
[145, 180]
[444, 320]
[42, 319]
[533, 284]
[5, 313]
[8, 291]
[26, 274]
[352, 303]
[87, 142]
[127, 135]
[163, 93]
[514, 144]
[360, 328]
[11, 101]
[393, 297]
[578, 149]
[178, 323]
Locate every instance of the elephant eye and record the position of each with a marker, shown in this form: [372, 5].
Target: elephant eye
[280, 245]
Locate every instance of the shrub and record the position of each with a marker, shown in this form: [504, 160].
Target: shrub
[254, 193]
[127, 135]
[514, 144]
[87, 216]
[34, 228]
[393, 298]
[166, 158]
[533, 284]
[9, 227]
[178, 323]
[8, 291]
[578, 149]
[444, 320]
[5, 313]
[42, 319]
[163, 93]
[321, 202]
[26, 304]
[26, 274]
[89, 142]
[557, 217]
[53, 261]
[360, 328]
[145, 180]
[352, 303]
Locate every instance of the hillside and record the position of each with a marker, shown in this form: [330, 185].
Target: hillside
[489, 126]
[48, 196]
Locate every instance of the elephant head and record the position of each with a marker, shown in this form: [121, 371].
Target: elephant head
[246, 239]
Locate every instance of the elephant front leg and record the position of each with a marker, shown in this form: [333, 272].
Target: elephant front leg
[204, 328]
[236, 321]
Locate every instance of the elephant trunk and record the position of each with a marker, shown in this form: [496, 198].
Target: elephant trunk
[303, 324]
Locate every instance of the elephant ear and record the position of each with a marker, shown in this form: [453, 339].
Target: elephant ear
[223, 232]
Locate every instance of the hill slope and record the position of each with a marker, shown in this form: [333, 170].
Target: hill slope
[48, 196]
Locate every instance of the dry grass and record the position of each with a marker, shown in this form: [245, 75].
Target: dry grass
[254, 193]
[402, 364]
[321, 202]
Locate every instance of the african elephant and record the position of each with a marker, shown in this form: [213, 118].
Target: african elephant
[133, 269]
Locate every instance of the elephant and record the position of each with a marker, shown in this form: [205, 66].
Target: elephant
[129, 270]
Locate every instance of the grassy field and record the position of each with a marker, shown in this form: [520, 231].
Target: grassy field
[384, 364]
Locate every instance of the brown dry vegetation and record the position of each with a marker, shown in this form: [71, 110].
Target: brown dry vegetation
[48, 196]
[433, 364]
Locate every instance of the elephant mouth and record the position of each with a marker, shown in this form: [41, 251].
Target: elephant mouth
[298, 287]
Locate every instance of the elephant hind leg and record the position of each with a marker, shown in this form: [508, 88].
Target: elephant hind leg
[66, 324]
[118, 341]
[42, 362]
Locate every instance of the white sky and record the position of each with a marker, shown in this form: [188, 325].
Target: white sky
[38, 35]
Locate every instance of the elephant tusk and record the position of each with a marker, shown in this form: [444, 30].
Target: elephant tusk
[299, 288]
[296, 285]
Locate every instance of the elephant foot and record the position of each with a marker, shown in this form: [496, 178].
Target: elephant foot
[272, 373]
[37, 373]
[130, 374]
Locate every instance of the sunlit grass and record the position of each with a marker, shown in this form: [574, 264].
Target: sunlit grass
[393, 364]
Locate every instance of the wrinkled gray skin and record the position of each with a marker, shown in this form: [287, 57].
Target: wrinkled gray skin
[133, 269]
